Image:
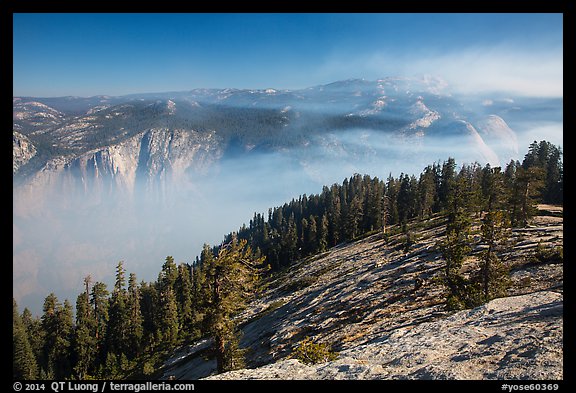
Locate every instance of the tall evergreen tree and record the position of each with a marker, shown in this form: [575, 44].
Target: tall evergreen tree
[525, 188]
[168, 322]
[406, 199]
[184, 300]
[447, 179]
[149, 300]
[33, 326]
[426, 193]
[169, 274]
[493, 275]
[312, 236]
[100, 305]
[334, 215]
[290, 242]
[353, 218]
[24, 364]
[547, 158]
[57, 324]
[117, 329]
[85, 334]
[392, 189]
[456, 247]
[231, 277]
[135, 330]
[323, 233]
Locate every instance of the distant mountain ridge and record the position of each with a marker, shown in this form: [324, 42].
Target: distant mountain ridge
[69, 130]
[136, 173]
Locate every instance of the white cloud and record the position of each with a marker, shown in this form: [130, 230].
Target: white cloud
[476, 69]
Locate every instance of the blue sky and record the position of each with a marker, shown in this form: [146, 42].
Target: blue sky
[115, 54]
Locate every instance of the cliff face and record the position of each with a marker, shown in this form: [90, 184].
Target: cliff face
[148, 162]
[153, 158]
[22, 150]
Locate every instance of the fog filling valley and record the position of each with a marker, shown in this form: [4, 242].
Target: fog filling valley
[66, 228]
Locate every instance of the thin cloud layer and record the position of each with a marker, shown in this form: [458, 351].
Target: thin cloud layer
[476, 70]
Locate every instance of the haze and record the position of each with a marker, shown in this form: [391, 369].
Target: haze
[494, 62]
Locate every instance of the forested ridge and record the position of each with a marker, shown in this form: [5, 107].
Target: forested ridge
[126, 331]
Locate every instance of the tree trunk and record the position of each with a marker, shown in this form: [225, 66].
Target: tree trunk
[487, 273]
[218, 338]
[220, 353]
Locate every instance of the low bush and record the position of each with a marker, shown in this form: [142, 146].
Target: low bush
[309, 352]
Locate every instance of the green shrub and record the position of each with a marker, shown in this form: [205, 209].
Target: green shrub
[302, 283]
[314, 353]
[148, 368]
[548, 254]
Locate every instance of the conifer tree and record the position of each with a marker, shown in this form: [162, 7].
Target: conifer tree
[230, 281]
[447, 178]
[99, 302]
[135, 329]
[493, 277]
[391, 211]
[33, 327]
[426, 193]
[24, 364]
[455, 248]
[290, 242]
[323, 233]
[85, 334]
[57, 325]
[169, 274]
[334, 215]
[353, 218]
[149, 309]
[312, 236]
[117, 329]
[168, 322]
[184, 300]
[526, 186]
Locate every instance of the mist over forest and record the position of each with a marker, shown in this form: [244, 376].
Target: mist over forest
[171, 172]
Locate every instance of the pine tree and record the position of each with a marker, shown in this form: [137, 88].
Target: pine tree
[455, 248]
[353, 218]
[323, 234]
[447, 179]
[135, 331]
[312, 236]
[426, 193]
[184, 300]
[290, 242]
[545, 158]
[84, 342]
[99, 303]
[24, 364]
[391, 211]
[168, 322]
[117, 329]
[526, 186]
[493, 275]
[57, 325]
[373, 204]
[303, 240]
[149, 301]
[33, 327]
[230, 281]
[110, 368]
[169, 274]
[334, 216]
